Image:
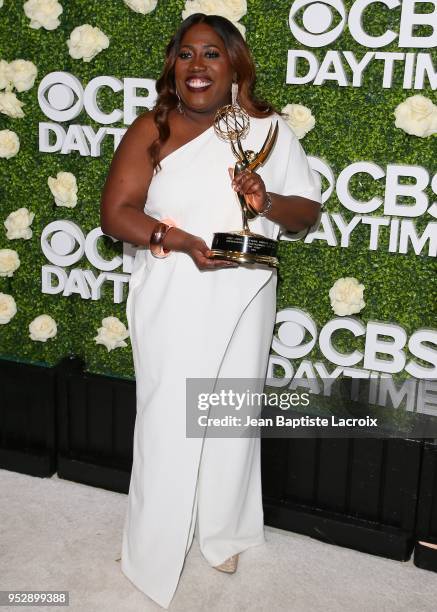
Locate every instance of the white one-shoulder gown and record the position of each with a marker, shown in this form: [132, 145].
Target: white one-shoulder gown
[186, 323]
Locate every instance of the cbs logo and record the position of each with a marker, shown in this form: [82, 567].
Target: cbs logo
[62, 97]
[323, 21]
[64, 244]
[295, 325]
[316, 18]
[384, 344]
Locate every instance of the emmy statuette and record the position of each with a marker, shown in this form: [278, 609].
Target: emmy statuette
[232, 124]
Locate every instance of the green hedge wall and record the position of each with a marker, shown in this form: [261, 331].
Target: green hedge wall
[351, 124]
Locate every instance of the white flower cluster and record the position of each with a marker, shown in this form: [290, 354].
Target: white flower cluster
[142, 6]
[346, 296]
[86, 42]
[233, 10]
[10, 105]
[8, 308]
[41, 328]
[9, 144]
[417, 115]
[9, 262]
[64, 189]
[43, 13]
[112, 333]
[18, 224]
[299, 118]
[20, 75]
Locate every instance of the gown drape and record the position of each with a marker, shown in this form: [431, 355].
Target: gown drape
[186, 323]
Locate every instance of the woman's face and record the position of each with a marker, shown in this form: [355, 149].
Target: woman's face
[203, 71]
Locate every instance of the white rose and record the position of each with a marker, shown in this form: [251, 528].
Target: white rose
[42, 328]
[1, 3]
[86, 42]
[112, 333]
[299, 118]
[8, 308]
[417, 115]
[22, 74]
[5, 80]
[231, 9]
[18, 224]
[346, 296]
[10, 105]
[9, 262]
[9, 144]
[142, 6]
[64, 189]
[43, 13]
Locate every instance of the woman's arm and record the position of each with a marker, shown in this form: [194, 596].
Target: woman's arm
[294, 213]
[125, 192]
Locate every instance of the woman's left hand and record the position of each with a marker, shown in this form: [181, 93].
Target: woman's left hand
[251, 185]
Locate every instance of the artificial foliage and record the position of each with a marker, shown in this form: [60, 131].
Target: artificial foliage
[352, 124]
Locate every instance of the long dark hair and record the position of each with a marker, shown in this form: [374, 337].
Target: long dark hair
[240, 58]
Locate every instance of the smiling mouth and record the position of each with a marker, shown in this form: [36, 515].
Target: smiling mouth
[198, 84]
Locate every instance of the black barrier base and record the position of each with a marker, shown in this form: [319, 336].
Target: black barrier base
[425, 557]
[90, 473]
[27, 418]
[359, 493]
[374, 495]
[26, 462]
[96, 418]
[341, 530]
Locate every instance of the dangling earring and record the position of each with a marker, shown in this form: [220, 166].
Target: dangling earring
[179, 106]
[234, 93]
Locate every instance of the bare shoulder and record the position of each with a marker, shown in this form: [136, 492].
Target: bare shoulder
[143, 131]
[131, 168]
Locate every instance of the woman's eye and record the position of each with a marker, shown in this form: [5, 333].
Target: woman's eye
[209, 54]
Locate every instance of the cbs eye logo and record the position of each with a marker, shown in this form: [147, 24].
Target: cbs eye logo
[292, 339]
[64, 244]
[58, 243]
[60, 96]
[316, 18]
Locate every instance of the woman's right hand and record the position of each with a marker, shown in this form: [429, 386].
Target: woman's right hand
[194, 246]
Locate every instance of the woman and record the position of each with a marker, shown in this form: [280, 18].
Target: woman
[192, 316]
